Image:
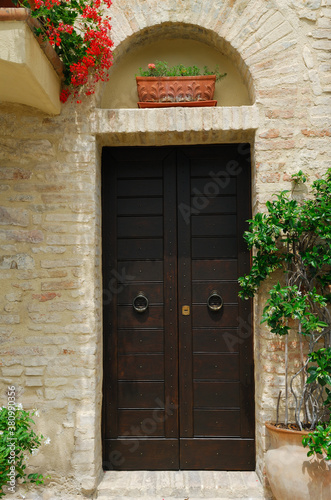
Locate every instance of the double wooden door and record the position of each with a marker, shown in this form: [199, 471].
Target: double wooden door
[178, 363]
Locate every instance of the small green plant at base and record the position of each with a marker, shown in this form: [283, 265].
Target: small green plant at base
[16, 442]
[161, 68]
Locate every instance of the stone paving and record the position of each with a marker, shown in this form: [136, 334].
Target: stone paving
[180, 485]
[159, 485]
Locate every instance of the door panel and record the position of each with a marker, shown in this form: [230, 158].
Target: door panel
[153, 290]
[213, 248]
[140, 248]
[228, 290]
[206, 270]
[148, 425]
[130, 341]
[205, 186]
[140, 206]
[127, 318]
[130, 271]
[202, 317]
[144, 187]
[216, 340]
[216, 423]
[153, 453]
[210, 225]
[131, 227]
[218, 453]
[141, 367]
[140, 394]
[216, 366]
[218, 394]
[178, 383]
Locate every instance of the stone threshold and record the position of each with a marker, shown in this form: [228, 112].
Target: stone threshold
[180, 485]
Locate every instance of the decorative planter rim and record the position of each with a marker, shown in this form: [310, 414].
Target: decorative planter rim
[175, 88]
[273, 428]
[167, 78]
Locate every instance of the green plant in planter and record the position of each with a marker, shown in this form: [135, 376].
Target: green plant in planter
[17, 439]
[295, 236]
[161, 68]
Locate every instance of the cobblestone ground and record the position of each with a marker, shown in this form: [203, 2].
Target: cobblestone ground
[180, 485]
[165, 485]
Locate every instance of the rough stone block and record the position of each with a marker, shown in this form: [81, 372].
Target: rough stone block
[9, 319]
[33, 382]
[17, 261]
[55, 382]
[49, 264]
[14, 371]
[13, 216]
[61, 285]
[34, 236]
[34, 371]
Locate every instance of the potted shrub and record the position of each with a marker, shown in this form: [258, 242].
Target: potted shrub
[163, 86]
[294, 236]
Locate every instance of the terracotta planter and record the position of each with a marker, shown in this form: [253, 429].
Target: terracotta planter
[176, 90]
[291, 474]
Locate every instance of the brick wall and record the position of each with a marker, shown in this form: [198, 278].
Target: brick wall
[50, 269]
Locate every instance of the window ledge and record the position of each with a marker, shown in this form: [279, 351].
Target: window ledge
[31, 71]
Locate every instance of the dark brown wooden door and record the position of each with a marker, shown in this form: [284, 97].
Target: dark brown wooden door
[178, 373]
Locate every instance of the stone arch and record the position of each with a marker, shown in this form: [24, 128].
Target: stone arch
[257, 35]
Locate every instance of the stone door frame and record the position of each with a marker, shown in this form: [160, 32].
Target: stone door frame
[230, 125]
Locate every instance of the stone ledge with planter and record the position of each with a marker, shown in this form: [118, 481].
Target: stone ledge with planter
[31, 71]
[236, 123]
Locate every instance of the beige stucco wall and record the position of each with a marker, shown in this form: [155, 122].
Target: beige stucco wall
[50, 267]
[27, 75]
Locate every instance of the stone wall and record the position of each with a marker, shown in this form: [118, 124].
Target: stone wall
[50, 266]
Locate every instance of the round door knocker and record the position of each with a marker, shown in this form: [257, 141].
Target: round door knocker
[140, 303]
[215, 301]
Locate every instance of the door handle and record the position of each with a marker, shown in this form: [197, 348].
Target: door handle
[140, 303]
[214, 301]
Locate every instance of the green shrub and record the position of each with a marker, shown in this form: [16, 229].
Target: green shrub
[17, 441]
[161, 68]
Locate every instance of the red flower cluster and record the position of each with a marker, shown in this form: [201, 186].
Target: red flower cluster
[90, 13]
[53, 35]
[64, 95]
[79, 31]
[49, 4]
[65, 28]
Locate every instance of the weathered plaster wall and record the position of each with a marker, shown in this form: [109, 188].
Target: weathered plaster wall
[50, 319]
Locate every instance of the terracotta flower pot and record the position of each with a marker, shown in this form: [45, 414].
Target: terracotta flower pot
[291, 474]
[176, 90]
